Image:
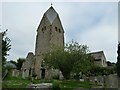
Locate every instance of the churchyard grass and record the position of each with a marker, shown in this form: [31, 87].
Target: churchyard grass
[18, 82]
[75, 84]
[70, 84]
[15, 82]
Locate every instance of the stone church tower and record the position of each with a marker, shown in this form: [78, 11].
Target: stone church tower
[49, 32]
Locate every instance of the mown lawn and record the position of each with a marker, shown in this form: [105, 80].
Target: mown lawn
[18, 82]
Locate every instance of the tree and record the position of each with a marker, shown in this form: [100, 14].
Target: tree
[5, 48]
[72, 58]
[14, 62]
[118, 61]
[19, 63]
[84, 65]
[97, 71]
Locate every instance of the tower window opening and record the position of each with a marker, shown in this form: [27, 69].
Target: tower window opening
[59, 31]
[56, 28]
[42, 30]
[45, 27]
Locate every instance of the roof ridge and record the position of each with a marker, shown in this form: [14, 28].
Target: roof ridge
[96, 52]
[51, 14]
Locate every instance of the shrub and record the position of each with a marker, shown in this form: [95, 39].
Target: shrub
[56, 77]
[56, 85]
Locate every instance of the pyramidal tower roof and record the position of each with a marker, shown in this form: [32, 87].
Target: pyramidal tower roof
[51, 14]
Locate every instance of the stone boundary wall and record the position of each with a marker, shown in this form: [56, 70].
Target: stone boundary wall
[111, 81]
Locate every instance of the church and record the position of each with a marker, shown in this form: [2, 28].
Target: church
[49, 32]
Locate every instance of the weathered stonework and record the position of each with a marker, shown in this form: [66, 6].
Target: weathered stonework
[28, 65]
[15, 73]
[110, 81]
[99, 59]
[49, 33]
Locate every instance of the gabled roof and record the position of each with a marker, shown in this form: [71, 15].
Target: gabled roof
[98, 55]
[51, 14]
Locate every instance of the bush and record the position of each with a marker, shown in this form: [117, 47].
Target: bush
[56, 85]
[96, 71]
[56, 77]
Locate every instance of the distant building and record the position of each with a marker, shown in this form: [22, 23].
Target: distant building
[110, 65]
[28, 65]
[100, 59]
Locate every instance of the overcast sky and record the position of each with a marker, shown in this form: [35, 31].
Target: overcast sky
[91, 23]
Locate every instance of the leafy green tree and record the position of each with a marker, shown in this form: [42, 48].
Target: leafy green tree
[19, 63]
[98, 71]
[72, 58]
[84, 65]
[118, 61]
[14, 62]
[5, 48]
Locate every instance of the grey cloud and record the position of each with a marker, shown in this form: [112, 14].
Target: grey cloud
[79, 21]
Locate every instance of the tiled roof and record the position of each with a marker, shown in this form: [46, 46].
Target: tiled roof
[51, 14]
